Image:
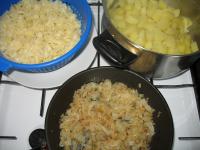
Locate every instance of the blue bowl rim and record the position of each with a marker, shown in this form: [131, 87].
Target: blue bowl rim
[83, 39]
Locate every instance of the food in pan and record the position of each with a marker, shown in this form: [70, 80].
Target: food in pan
[37, 31]
[107, 116]
[154, 25]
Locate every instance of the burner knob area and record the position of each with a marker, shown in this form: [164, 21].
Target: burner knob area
[37, 140]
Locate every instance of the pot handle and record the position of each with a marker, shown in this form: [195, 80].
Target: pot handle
[113, 51]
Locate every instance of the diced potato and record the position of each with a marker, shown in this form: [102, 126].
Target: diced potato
[177, 12]
[132, 20]
[148, 44]
[187, 23]
[154, 25]
[128, 8]
[141, 37]
[162, 5]
[194, 46]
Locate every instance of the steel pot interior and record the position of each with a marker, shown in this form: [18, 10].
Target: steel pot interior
[164, 130]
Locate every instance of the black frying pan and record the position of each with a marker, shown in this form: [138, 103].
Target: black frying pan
[164, 130]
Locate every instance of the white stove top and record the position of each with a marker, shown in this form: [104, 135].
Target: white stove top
[20, 106]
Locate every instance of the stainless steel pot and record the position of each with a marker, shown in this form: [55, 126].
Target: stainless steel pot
[120, 51]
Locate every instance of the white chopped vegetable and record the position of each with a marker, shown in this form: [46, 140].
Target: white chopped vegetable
[35, 31]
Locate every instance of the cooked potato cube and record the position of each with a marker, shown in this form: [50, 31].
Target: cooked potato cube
[154, 25]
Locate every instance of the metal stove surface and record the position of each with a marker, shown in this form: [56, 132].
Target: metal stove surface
[22, 109]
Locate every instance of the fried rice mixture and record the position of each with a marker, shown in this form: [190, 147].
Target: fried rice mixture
[107, 116]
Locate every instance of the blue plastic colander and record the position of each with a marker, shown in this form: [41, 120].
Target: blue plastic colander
[84, 14]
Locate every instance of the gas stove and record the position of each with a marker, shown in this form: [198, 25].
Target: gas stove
[23, 107]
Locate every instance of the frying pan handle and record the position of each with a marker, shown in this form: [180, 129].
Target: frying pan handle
[113, 51]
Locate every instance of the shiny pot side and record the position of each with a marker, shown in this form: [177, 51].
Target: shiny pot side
[147, 63]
